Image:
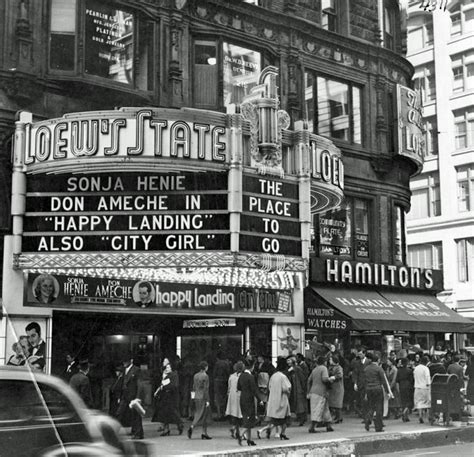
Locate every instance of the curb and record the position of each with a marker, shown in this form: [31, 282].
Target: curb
[355, 447]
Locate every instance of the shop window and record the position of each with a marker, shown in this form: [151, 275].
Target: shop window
[400, 234]
[240, 69]
[424, 81]
[465, 249]
[462, 18]
[429, 255]
[333, 108]
[465, 180]
[329, 15]
[464, 128]
[463, 71]
[115, 46]
[425, 197]
[344, 232]
[431, 137]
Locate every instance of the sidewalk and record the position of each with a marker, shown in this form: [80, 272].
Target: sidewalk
[349, 439]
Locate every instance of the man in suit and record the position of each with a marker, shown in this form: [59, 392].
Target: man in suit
[81, 384]
[37, 358]
[358, 376]
[127, 390]
[71, 368]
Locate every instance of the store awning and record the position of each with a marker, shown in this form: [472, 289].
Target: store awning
[394, 311]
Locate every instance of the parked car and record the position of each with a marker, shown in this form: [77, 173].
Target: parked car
[42, 416]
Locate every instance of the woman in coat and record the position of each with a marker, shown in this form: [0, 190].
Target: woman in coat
[166, 399]
[278, 405]
[201, 401]
[406, 387]
[248, 394]
[393, 403]
[318, 396]
[233, 401]
[336, 392]
[298, 400]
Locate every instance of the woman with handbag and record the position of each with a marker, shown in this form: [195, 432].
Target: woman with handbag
[202, 403]
[336, 392]
[278, 405]
[318, 382]
[166, 400]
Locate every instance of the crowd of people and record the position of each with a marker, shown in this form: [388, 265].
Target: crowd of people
[260, 399]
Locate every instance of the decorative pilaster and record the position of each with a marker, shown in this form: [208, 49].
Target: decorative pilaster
[175, 72]
[24, 37]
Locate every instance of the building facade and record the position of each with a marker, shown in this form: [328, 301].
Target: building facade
[440, 223]
[188, 176]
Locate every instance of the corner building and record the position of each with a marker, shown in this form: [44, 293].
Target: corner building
[196, 176]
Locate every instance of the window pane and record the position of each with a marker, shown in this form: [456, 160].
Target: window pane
[63, 16]
[109, 42]
[469, 20]
[241, 72]
[356, 116]
[463, 196]
[144, 69]
[462, 260]
[419, 204]
[63, 35]
[455, 23]
[361, 226]
[333, 109]
[205, 74]
[436, 203]
[335, 232]
[460, 135]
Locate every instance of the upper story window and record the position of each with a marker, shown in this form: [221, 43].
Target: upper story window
[464, 128]
[462, 18]
[429, 255]
[333, 108]
[329, 15]
[238, 67]
[431, 136]
[465, 248]
[344, 232]
[465, 180]
[425, 197]
[463, 71]
[400, 234]
[425, 82]
[112, 47]
[420, 32]
[388, 25]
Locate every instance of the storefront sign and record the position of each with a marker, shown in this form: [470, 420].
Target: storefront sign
[411, 141]
[126, 133]
[270, 218]
[209, 323]
[81, 291]
[319, 316]
[375, 274]
[132, 212]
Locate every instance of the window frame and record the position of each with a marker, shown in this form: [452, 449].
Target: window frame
[436, 248]
[460, 10]
[469, 180]
[140, 22]
[351, 86]
[424, 84]
[431, 189]
[351, 200]
[465, 259]
[332, 14]
[463, 117]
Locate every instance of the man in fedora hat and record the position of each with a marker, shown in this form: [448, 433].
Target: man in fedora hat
[81, 384]
[127, 390]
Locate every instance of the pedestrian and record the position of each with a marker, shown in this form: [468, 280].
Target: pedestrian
[422, 395]
[115, 390]
[166, 401]
[81, 384]
[127, 390]
[248, 394]
[406, 386]
[358, 373]
[232, 410]
[318, 382]
[336, 392]
[278, 406]
[220, 376]
[201, 401]
[470, 375]
[393, 404]
[71, 367]
[375, 383]
[298, 400]
[301, 362]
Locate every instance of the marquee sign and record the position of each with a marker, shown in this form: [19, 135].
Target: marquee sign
[118, 212]
[411, 143]
[135, 295]
[349, 272]
[270, 219]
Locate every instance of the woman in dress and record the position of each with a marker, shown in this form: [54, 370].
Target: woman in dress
[405, 386]
[233, 401]
[248, 393]
[318, 396]
[394, 402]
[18, 358]
[166, 399]
[278, 405]
[336, 392]
[201, 401]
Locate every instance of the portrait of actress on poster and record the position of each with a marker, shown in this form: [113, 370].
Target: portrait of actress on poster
[45, 288]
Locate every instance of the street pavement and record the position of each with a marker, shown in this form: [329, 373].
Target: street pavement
[348, 439]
